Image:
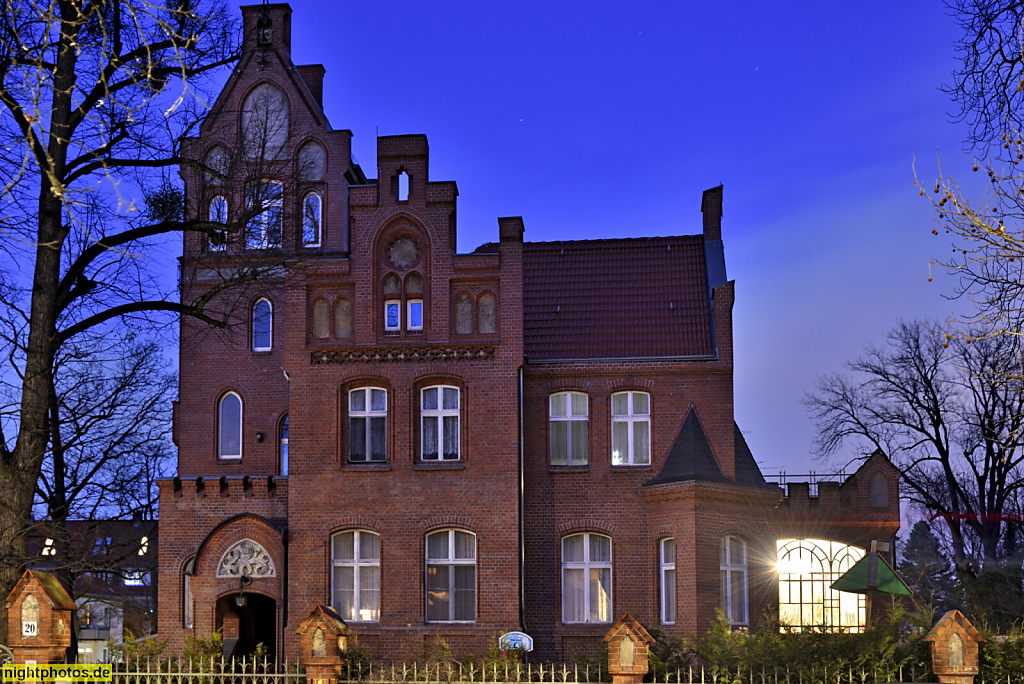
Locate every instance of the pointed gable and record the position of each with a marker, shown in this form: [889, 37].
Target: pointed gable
[691, 457]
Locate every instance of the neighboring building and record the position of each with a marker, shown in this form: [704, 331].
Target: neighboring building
[533, 436]
[114, 563]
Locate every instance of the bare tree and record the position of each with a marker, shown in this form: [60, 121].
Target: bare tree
[951, 417]
[95, 97]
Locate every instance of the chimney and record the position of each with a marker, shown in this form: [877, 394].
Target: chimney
[313, 76]
[711, 207]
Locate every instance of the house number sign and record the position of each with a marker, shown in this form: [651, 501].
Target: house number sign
[29, 629]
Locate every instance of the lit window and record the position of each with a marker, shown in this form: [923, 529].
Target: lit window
[367, 424]
[631, 428]
[667, 558]
[733, 570]
[568, 428]
[439, 411]
[415, 314]
[263, 201]
[356, 576]
[451, 576]
[143, 546]
[135, 578]
[586, 578]
[312, 212]
[807, 568]
[49, 549]
[262, 326]
[218, 213]
[229, 438]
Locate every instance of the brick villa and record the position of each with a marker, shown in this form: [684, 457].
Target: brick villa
[534, 436]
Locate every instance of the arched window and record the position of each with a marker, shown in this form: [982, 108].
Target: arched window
[188, 604]
[807, 568]
[283, 443]
[439, 423]
[878, 491]
[487, 314]
[733, 569]
[264, 123]
[262, 325]
[263, 202]
[312, 163]
[392, 304]
[567, 428]
[368, 424]
[463, 315]
[218, 164]
[356, 577]
[342, 319]
[451, 576]
[414, 302]
[321, 319]
[311, 220]
[229, 426]
[586, 578]
[217, 212]
[667, 579]
[631, 428]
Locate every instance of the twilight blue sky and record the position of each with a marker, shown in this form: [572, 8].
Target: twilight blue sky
[608, 119]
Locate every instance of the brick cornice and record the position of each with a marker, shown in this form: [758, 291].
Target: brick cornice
[417, 354]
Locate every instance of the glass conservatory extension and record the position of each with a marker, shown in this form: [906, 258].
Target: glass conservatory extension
[806, 569]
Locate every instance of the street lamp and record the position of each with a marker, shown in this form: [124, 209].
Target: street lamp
[243, 582]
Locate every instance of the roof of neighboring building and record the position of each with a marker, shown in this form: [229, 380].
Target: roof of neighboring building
[614, 299]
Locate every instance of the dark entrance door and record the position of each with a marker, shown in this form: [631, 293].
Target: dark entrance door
[244, 627]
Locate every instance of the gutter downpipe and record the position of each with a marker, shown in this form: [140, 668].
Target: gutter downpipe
[522, 550]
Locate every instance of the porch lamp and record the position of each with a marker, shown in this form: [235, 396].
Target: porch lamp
[243, 582]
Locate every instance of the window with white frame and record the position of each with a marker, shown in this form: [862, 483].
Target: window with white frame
[414, 314]
[367, 424]
[733, 570]
[439, 423]
[586, 578]
[667, 580]
[568, 428]
[451, 576]
[229, 426]
[806, 569]
[262, 325]
[264, 200]
[312, 215]
[356, 576]
[218, 213]
[631, 428]
[392, 315]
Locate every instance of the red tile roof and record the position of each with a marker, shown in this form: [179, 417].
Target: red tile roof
[625, 298]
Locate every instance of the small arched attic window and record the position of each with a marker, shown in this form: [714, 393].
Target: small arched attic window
[264, 123]
[321, 320]
[463, 315]
[878, 491]
[312, 163]
[487, 314]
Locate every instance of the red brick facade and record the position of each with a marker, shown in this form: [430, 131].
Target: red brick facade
[494, 336]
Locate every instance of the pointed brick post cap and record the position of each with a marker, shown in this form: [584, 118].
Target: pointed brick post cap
[953, 643]
[628, 643]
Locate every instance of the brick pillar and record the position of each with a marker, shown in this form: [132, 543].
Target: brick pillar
[627, 651]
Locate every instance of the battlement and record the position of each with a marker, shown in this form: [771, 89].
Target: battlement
[264, 487]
